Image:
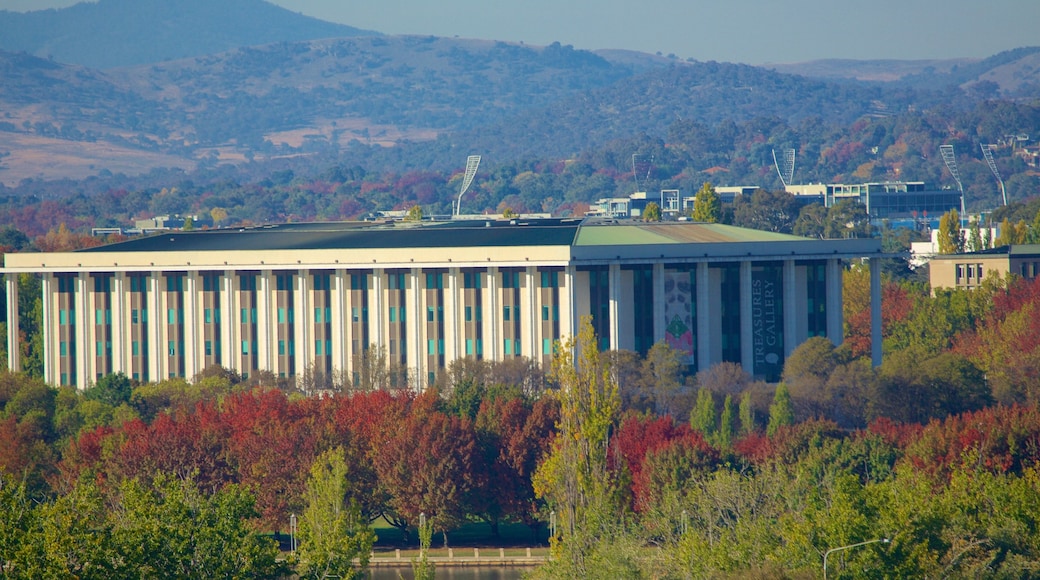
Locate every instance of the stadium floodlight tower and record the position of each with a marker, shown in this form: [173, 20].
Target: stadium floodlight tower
[642, 165]
[951, 163]
[786, 172]
[987, 152]
[472, 162]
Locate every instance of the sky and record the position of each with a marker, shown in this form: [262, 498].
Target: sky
[745, 31]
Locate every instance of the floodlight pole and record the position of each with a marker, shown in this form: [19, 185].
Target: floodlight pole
[987, 152]
[840, 548]
[950, 159]
[472, 162]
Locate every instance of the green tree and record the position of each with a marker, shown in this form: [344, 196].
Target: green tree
[112, 389]
[30, 312]
[781, 413]
[18, 518]
[73, 539]
[332, 534]
[703, 416]
[951, 241]
[422, 568]
[652, 213]
[974, 243]
[415, 214]
[170, 529]
[707, 206]
[189, 224]
[727, 426]
[747, 414]
[575, 480]
[662, 370]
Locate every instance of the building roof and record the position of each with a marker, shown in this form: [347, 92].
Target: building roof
[463, 243]
[357, 235]
[447, 234]
[1011, 251]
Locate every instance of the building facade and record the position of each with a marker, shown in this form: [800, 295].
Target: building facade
[969, 270]
[889, 199]
[291, 297]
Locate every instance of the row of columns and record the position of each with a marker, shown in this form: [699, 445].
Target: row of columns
[572, 303]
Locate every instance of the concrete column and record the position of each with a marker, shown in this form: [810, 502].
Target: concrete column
[703, 322]
[303, 322]
[529, 328]
[265, 314]
[14, 362]
[747, 330]
[192, 341]
[792, 308]
[614, 295]
[377, 322]
[568, 303]
[492, 316]
[659, 322]
[156, 329]
[339, 313]
[51, 374]
[120, 330]
[452, 317]
[84, 333]
[229, 321]
[875, 311]
[417, 324]
[835, 319]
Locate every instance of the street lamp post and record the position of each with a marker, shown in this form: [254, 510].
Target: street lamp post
[840, 548]
[292, 533]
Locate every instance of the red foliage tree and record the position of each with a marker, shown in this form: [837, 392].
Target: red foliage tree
[428, 467]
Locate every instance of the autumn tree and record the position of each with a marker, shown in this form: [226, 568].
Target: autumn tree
[707, 205]
[652, 213]
[951, 241]
[429, 465]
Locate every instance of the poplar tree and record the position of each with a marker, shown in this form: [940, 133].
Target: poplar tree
[575, 479]
[950, 239]
[332, 533]
[781, 413]
[703, 416]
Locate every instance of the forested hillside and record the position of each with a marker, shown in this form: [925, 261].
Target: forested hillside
[113, 33]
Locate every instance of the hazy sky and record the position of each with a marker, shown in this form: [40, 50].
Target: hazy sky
[748, 31]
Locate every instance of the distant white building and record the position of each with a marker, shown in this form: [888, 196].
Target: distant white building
[922, 252]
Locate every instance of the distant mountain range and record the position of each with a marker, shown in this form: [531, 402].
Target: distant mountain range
[126, 86]
[114, 33]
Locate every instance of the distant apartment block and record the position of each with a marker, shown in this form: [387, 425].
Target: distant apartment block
[890, 199]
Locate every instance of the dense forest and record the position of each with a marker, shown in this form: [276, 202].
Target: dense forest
[722, 473]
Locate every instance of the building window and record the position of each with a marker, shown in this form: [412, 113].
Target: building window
[551, 279]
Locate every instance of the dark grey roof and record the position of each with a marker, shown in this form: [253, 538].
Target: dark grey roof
[358, 235]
